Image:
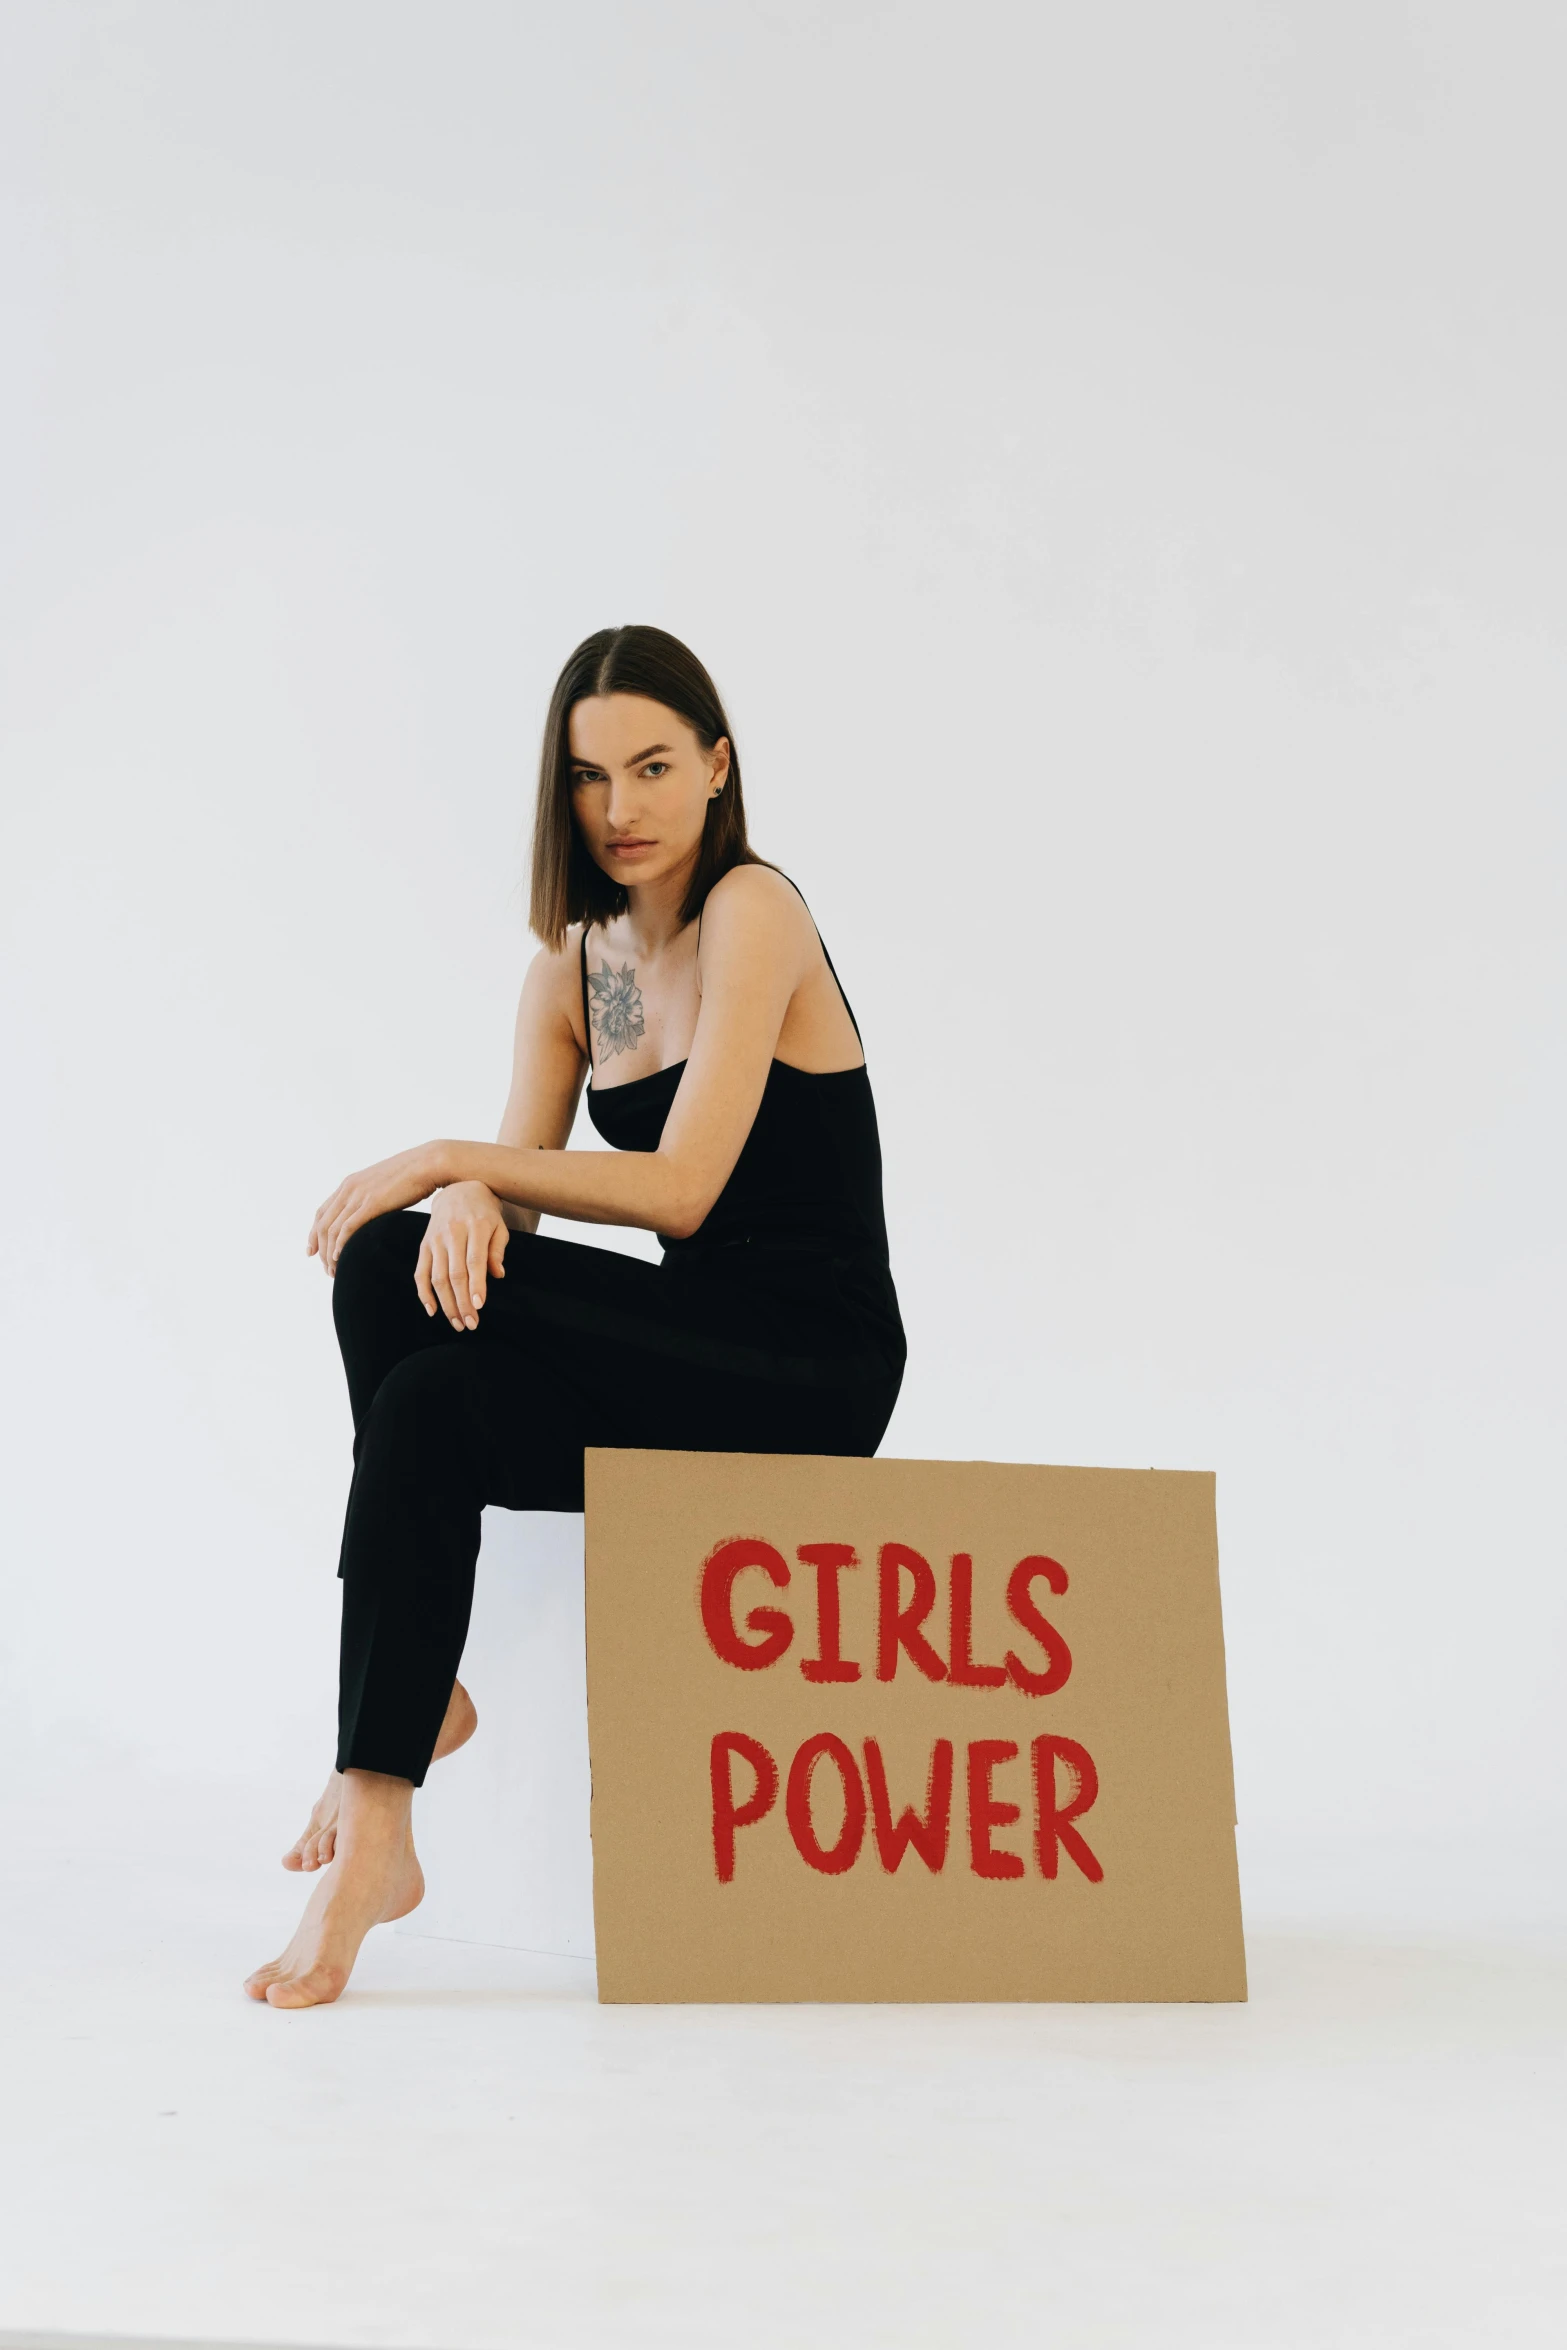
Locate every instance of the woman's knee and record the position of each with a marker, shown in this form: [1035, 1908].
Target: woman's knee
[384, 1250]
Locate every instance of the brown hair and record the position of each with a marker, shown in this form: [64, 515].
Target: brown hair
[567, 885]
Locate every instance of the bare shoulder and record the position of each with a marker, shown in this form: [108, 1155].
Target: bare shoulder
[552, 969]
[551, 986]
[755, 904]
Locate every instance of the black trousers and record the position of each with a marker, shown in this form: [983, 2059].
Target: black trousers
[575, 1346]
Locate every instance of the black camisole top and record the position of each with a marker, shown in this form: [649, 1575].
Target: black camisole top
[807, 1183]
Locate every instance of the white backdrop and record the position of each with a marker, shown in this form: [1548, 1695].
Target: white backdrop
[1112, 461]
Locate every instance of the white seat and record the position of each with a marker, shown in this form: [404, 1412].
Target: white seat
[502, 1825]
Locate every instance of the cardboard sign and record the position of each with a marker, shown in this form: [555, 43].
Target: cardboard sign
[907, 1730]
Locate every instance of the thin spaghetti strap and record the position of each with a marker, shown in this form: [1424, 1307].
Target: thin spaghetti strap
[838, 983]
[831, 965]
[587, 1017]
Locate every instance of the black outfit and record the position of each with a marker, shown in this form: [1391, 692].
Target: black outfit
[774, 1328]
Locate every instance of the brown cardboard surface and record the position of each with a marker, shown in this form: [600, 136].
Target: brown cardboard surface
[1143, 1694]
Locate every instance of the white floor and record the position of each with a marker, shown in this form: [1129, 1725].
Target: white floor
[468, 2151]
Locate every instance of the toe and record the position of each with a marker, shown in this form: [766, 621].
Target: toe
[318, 1986]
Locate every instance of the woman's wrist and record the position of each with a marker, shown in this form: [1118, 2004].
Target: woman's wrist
[489, 1164]
[447, 1164]
[437, 1165]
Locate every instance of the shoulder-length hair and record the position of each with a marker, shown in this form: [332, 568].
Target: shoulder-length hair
[567, 885]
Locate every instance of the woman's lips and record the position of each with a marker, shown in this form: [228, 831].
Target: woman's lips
[631, 848]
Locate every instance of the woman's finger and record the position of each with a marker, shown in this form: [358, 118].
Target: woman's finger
[478, 1263]
[500, 1233]
[457, 1259]
[320, 1225]
[353, 1212]
[440, 1275]
[422, 1278]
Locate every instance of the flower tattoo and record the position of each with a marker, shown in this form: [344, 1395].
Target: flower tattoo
[616, 1009]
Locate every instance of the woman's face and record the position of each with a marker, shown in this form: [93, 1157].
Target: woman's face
[640, 785]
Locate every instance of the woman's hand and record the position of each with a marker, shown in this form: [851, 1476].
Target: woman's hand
[464, 1245]
[375, 1191]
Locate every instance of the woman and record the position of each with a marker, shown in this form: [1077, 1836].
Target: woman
[685, 980]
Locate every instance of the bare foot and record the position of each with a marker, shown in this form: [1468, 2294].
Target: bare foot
[318, 1843]
[376, 1877]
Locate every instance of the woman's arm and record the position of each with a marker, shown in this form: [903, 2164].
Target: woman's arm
[757, 945]
[547, 1069]
[469, 1226]
[466, 1238]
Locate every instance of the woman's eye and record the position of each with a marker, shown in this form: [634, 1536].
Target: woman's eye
[656, 767]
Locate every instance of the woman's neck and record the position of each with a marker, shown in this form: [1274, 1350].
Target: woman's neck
[652, 913]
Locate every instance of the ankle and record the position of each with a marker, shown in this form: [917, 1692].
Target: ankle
[375, 1808]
